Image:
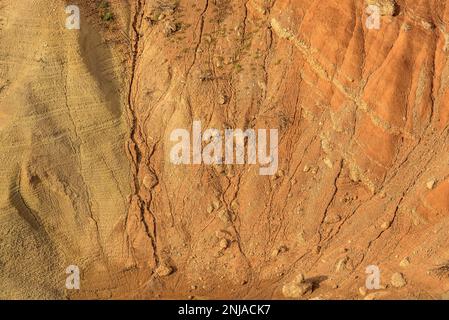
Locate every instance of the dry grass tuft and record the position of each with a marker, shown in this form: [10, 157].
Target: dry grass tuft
[441, 271]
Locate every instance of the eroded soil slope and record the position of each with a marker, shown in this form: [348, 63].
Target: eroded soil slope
[86, 118]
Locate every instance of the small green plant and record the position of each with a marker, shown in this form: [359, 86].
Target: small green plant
[104, 5]
[108, 16]
[105, 12]
[238, 67]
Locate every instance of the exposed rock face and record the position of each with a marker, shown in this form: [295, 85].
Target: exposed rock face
[85, 127]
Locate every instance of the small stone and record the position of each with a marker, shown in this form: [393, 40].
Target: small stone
[296, 291]
[164, 270]
[405, 262]
[299, 278]
[219, 62]
[222, 99]
[224, 216]
[362, 291]
[224, 244]
[221, 234]
[430, 184]
[216, 204]
[207, 38]
[210, 209]
[385, 225]
[427, 25]
[306, 168]
[328, 163]
[398, 280]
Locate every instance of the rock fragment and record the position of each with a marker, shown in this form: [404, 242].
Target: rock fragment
[222, 99]
[216, 204]
[164, 270]
[223, 244]
[385, 225]
[431, 184]
[296, 291]
[297, 288]
[405, 262]
[328, 162]
[210, 209]
[224, 216]
[398, 280]
[362, 291]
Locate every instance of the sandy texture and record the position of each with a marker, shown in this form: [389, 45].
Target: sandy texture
[86, 117]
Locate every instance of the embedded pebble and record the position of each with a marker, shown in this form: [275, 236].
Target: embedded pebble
[405, 262]
[398, 280]
[164, 270]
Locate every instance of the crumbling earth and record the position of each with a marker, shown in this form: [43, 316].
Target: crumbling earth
[86, 179]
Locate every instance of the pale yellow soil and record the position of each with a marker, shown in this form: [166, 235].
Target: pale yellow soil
[86, 178]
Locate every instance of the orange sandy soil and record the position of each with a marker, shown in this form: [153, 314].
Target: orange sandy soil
[86, 178]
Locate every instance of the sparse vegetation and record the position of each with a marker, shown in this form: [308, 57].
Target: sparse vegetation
[163, 9]
[108, 16]
[238, 67]
[105, 11]
[223, 8]
[441, 271]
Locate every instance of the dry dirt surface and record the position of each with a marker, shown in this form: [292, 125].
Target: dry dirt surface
[86, 118]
